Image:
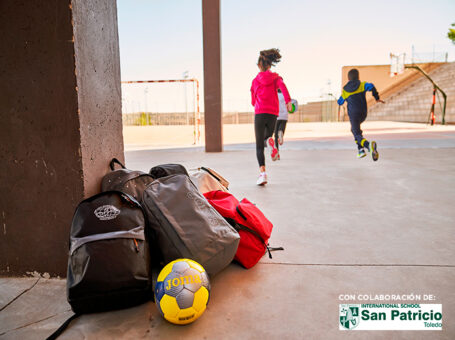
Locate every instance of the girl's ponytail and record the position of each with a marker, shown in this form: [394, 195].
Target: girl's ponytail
[268, 58]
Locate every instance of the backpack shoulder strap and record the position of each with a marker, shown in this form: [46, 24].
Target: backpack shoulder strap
[62, 328]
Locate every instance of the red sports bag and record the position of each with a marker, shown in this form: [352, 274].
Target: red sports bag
[254, 228]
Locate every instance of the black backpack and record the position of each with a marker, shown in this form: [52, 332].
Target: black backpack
[109, 258]
[164, 170]
[132, 182]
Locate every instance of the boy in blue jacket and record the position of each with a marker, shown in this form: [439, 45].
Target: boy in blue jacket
[354, 93]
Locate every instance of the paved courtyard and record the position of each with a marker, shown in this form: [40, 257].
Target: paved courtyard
[348, 226]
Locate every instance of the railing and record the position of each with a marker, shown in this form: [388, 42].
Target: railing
[322, 111]
[435, 87]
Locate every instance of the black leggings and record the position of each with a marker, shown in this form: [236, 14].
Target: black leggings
[264, 125]
[280, 126]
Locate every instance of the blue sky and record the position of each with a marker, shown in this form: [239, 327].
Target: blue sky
[160, 39]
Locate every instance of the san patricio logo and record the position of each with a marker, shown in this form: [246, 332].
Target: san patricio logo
[349, 316]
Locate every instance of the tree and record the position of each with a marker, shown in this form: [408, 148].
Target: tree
[451, 33]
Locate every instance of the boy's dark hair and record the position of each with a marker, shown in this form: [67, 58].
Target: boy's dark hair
[279, 90]
[269, 58]
[353, 74]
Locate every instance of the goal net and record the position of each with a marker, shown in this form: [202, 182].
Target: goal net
[162, 102]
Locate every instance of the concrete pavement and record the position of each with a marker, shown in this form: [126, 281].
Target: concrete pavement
[180, 136]
[348, 226]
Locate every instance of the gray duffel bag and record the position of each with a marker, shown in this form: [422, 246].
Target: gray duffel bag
[186, 225]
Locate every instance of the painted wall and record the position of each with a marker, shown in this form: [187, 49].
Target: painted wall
[379, 75]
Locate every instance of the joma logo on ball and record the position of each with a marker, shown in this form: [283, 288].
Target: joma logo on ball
[183, 280]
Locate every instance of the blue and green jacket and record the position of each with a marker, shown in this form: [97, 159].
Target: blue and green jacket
[354, 94]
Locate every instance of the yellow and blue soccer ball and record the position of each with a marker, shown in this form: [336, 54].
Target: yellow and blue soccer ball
[182, 291]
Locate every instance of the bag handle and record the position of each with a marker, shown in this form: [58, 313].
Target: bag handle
[211, 173]
[217, 176]
[113, 162]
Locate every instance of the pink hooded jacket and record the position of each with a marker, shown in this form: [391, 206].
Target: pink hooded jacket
[264, 97]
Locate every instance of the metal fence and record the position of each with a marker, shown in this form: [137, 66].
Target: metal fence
[149, 118]
[320, 111]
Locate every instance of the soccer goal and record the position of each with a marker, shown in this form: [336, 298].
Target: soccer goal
[162, 102]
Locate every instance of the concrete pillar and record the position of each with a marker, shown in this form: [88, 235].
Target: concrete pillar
[212, 76]
[60, 125]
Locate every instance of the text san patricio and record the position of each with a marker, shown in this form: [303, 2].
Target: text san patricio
[394, 314]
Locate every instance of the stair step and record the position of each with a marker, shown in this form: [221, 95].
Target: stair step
[413, 103]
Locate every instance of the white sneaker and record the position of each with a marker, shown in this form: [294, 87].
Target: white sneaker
[262, 179]
[280, 137]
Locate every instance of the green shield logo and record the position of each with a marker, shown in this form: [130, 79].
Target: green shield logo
[349, 316]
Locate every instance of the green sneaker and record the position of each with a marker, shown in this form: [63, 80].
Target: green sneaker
[361, 153]
[374, 151]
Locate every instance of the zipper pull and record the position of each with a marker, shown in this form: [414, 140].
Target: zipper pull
[136, 245]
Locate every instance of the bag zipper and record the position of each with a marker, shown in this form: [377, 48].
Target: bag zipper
[255, 233]
[136, 245]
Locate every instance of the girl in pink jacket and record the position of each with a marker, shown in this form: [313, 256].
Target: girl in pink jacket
[264, 98]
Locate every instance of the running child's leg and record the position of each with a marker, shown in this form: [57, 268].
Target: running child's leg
[357, 132]
[281, 129]
[371, 146]
[270, 125]
[259, 131]
[269, 130]
[362, 142]
[284, 123]
[276, 133]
